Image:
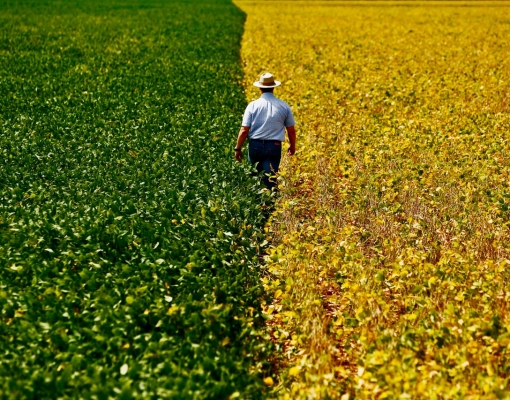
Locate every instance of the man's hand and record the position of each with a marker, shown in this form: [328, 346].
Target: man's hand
[243, 134]
[291, 132]
[239, 155]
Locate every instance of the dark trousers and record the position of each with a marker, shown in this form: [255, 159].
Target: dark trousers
[266, 154]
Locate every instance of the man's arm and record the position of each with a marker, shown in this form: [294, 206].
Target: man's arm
[241, 138]
[291, 133]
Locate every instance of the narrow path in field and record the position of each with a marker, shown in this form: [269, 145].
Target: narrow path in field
[389, 268]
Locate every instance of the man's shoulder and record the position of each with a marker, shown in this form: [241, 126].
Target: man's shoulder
[253, 103]
[284, 104]
[261, 101]
[258, 101]
[280, 101]
[256, 104]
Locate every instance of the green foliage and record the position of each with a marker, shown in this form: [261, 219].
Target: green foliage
[129, 239]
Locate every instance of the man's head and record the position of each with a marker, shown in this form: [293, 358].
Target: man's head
[266, 90]
[266, 82]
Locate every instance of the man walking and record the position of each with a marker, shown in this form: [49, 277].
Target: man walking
[264, 124]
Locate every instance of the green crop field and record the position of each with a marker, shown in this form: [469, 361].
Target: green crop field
[129, 239]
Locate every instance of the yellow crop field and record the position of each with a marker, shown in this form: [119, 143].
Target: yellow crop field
[390, 257]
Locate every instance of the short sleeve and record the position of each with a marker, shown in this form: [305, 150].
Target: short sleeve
[247, 117]
[289, 121]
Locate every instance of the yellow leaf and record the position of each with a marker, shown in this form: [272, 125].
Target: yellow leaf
[172, 310]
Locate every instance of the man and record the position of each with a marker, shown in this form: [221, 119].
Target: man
[264, 124]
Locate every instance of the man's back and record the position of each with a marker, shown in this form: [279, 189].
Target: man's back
[267, 117]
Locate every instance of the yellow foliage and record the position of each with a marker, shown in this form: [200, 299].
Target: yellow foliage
[393, 219]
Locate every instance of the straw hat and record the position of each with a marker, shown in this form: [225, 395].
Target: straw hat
[267, 81]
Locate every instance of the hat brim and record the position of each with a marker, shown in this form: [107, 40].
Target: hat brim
[260, 85]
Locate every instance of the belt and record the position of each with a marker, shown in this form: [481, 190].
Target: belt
[264, 140]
